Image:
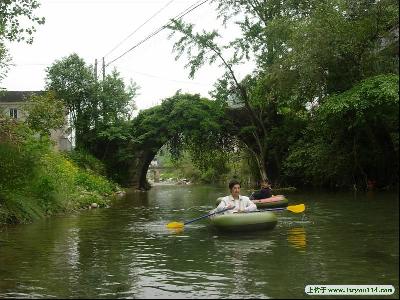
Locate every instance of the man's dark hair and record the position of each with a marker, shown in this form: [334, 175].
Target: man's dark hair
[232, 183]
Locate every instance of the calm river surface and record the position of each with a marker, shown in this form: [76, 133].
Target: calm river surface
[126, 251]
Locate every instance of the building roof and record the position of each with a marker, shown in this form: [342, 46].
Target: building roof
[16, 96]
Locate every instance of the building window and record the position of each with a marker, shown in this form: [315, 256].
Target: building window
[13, 113]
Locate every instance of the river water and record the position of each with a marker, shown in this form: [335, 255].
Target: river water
[126, 251]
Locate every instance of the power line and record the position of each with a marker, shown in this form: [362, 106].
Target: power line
[119, 44]
[179, 16]
[167, 79]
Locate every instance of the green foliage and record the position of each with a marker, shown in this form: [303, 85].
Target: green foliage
[4, 61]
[176, 168]
[115, 100]
[45, 112]
[317, 164]
[16, 208]
[309, 49]
[184, 167]
[373, 98]
[335, 47]
[91, 181]
[13, 30]
[352, 138]
[16, 175]
[19, 158]
[86, 161]
[180, 114]
[37, 181]
[74, 83]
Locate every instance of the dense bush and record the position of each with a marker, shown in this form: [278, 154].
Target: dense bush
[87, 161]
[351, 139]
[37, 181]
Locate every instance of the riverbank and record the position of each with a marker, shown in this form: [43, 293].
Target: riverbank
[38, 181]
[57, 186]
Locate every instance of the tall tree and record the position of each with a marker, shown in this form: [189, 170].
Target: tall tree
[74, 83]
[115, 105]
[203, 48]
[115, 99]
[98, 109]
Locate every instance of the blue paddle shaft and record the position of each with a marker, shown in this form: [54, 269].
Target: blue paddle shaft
[268, 209]
[276, 208]
[207, 215]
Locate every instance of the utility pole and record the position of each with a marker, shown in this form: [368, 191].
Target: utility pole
[104, 69]
[95, 69]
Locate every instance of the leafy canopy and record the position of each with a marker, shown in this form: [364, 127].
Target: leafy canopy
[45, 112]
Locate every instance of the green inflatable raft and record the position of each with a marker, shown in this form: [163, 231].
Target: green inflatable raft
[244, 221]
[272, 202]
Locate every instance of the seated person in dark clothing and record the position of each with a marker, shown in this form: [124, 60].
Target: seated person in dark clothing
[263, 193]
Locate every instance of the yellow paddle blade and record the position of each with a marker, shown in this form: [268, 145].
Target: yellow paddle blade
[175, 225]
[296, 208]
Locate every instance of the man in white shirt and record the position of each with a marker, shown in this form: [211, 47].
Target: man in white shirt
[239, 203]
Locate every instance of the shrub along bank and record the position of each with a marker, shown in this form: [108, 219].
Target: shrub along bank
[37, 181]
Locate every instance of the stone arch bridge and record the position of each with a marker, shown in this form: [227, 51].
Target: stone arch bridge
[181, 119]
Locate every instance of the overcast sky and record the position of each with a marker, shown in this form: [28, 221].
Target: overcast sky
[92, 28]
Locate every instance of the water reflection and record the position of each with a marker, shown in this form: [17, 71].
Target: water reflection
[178, 230]
[297, 237]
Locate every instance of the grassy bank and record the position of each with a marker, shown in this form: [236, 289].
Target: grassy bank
[37, 181]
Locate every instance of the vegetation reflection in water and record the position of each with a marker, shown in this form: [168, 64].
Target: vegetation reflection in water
[126, 251]
[297, 236]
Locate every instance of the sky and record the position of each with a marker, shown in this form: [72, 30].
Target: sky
[93, 28]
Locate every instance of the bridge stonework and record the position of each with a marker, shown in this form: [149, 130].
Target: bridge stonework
[138, 169]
